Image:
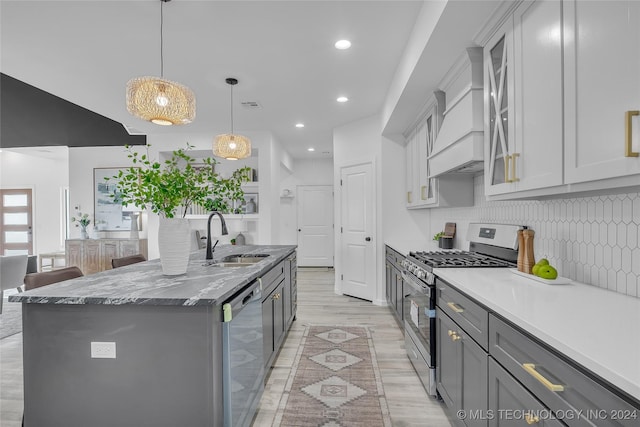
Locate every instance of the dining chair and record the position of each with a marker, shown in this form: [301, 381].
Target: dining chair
[36, 280]
[12, 271]
[127, 260]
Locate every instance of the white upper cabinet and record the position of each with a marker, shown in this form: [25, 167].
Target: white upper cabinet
[424, 190]
[562, 99]
[420, 189]
[523, 101]
[602, 85]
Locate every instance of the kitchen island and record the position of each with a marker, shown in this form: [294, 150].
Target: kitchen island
[132, 347]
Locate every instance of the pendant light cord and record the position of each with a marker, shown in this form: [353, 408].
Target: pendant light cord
[161, 39]
[231, 109]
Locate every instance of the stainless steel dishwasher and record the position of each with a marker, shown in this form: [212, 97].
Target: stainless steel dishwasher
[243, 360]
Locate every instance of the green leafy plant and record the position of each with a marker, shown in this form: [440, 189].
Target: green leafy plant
[170, 188]
[437, 236]
[229, 191]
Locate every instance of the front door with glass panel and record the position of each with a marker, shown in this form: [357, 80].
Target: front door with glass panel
[16, 223]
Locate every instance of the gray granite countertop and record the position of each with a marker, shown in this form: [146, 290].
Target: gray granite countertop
[144, 283]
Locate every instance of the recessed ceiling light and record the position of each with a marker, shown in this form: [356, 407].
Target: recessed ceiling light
[342, 99]
[299, 125]
[311, 149]
[343, 44]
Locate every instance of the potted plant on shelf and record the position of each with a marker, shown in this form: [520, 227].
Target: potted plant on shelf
[169, 189]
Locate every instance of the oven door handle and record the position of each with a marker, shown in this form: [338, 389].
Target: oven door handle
[414, 285]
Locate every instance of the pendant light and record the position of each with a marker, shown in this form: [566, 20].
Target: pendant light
[158, 100]
[229, 145]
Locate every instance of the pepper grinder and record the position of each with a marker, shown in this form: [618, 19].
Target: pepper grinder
[520, 251]
[528, 257]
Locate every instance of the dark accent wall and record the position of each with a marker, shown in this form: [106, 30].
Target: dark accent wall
[30, 117]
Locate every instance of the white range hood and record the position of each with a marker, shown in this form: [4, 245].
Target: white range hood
[459, 146]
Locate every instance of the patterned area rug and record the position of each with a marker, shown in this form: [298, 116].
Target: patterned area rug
[334, 381]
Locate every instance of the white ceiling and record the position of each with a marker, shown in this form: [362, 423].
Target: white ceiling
[281, 52]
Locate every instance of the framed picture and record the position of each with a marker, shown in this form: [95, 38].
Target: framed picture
[108, 212]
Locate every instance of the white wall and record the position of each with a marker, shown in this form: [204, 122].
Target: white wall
[305, 172]
[46, 173]
[82, 161]
[398, 223]
[357, 143]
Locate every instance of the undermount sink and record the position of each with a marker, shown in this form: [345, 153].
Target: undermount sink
[238, 260]
[244, 259]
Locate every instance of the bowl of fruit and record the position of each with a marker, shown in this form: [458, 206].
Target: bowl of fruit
[543, 272]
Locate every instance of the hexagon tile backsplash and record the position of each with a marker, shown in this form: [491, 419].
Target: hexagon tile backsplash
[592, 240]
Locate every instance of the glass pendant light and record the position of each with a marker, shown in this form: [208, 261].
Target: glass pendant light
[229, 145]
[158, 100]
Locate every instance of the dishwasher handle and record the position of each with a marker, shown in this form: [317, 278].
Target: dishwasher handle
[230, 309]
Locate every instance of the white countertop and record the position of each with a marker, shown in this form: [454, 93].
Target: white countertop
[597, 328]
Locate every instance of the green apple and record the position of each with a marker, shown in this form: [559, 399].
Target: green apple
[547, 272]
[536, 267]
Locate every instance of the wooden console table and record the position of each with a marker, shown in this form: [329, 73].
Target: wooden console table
[94, 255]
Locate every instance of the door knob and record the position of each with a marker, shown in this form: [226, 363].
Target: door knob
[368, 239]
[299, 229]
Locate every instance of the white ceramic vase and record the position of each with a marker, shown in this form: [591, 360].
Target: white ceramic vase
[174, 245]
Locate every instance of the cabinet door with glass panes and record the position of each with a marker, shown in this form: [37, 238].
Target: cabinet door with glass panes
[421, 189]
[523, 115]
[499, 128]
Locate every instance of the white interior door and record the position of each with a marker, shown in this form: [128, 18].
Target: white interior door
[358, 223]
[315, 226]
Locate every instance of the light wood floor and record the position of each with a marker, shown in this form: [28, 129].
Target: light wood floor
[409, 405]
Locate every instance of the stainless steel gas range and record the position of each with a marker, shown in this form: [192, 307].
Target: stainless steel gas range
[490, 245]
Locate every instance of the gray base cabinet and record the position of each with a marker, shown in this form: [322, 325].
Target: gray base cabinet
[510, 404]
[495, 374]
[562, 387]
[461, 372]
[394, 284]
[279, 306]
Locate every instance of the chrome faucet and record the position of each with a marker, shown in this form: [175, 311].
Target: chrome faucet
[210, 248]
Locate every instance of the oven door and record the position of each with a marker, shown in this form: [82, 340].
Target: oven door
[419, 316]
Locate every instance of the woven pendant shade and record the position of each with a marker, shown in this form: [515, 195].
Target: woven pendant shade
[231, 147]
[160, 101]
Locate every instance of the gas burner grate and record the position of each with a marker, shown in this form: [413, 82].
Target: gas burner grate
[457, 259]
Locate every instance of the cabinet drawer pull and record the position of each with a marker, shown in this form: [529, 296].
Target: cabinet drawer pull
[514, 177]
[628, 152]
[531, 370]
[531, 419]
[408, 196]
[455, 307]
[454, 335]
[423, 192]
